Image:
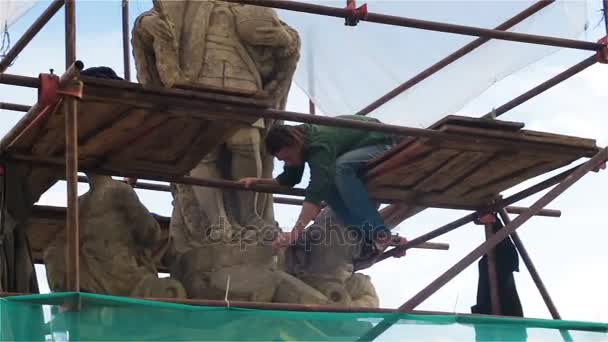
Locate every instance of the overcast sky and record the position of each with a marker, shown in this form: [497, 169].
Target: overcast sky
[569, 252]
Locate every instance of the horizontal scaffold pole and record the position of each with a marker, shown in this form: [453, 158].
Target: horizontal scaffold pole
[424, 24]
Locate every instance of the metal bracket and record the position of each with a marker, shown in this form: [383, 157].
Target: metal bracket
[47, 89]
[356, 13]
[486, 219]
[73, 89]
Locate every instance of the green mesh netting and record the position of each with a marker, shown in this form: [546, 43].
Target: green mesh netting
[42, 318]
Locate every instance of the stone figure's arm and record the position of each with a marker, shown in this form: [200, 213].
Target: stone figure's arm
[145, 228]
[279, 35]
[155, 50]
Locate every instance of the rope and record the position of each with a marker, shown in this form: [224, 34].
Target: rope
[6, 40]
[227, 290]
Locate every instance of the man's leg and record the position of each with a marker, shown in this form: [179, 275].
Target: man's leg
[353, 193]
[334, 200]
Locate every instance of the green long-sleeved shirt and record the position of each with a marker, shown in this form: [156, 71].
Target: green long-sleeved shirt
[322, 146]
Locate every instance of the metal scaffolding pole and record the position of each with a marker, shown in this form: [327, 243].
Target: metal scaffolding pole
[14, 107]
[473, 216]
[31, 32]
[453, 57]
[70, 33]
[125, 40]
[531, 268]
[492, 274]
[423, 24]
[542, 87]
[482, 249]
[71, 176]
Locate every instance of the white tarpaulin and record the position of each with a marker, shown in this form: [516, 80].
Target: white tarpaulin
[11, 10]
[343, 69]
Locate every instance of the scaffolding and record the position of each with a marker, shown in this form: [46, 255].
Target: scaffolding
[74, 90]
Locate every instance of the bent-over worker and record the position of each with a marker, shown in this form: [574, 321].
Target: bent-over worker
[336, 158]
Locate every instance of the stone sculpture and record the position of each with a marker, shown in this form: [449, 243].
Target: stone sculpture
[325, 259]
[219, 46]
[216, 234]
[118, 237]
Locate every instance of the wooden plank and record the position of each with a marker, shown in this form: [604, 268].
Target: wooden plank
[507, 181]
[91, 117]
[495, 169]
[411, 174]
[29, 135]
[214, 134]
[482, 123]
[121, 87]
[409, 154]
[182, 106]
[456, 168]
[539, 142]
[120, 133]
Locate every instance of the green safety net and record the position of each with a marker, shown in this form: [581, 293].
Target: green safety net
[43, 318]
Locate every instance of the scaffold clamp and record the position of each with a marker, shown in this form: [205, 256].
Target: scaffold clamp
[73, 89]
[602, 53]
[486, 219]
[356, 13]
[47, 91]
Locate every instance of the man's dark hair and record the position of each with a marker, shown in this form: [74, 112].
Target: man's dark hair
[280, 136]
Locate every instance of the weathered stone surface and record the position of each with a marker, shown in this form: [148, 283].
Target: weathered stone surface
[292, 290]
[324, 258]
[117, 237]
[362, 291]
[239, 49]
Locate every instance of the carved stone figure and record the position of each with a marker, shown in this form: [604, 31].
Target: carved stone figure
[219, 46]
[246, 51]
[325, 259]
[117, 239]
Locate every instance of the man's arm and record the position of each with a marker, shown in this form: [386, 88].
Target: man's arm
[322, 170]
[308, 213]
[290, 177]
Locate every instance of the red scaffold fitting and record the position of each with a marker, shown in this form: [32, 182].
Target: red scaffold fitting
[74, 90]
[486, 219]
[602, 53]
[356, 14]
[48, 89]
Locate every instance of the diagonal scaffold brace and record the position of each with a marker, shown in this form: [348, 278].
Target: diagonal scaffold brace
[593, 164]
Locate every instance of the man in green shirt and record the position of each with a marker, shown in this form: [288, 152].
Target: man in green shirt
[336, 158]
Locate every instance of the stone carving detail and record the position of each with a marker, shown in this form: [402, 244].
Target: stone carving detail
[216, 234]
[219, 46]
[325, 259]
[117, 239]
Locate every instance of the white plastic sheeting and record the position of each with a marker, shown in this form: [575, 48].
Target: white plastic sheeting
[11, 10]
[343, 69]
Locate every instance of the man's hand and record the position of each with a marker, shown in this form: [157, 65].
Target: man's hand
[400, 241]
[249, 181]
[283, 240]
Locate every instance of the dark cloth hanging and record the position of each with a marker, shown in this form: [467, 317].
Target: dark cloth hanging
[101, 72]
[507, 262]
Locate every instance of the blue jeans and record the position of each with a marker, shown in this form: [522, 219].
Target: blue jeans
[349, 198]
